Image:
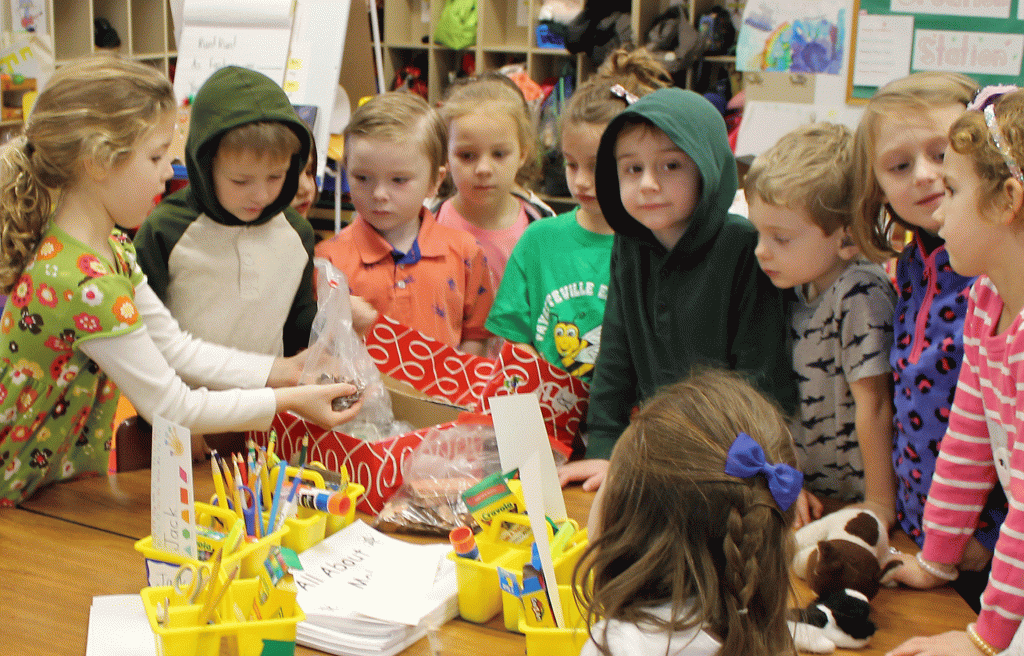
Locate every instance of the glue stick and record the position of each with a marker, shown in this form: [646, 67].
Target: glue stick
[464, 542]
[328, 501]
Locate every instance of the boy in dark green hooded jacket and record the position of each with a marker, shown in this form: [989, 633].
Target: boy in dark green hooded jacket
[686, 290]
[229, 257]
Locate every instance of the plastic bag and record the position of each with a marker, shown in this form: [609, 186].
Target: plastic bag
[445, 464]
[336, 354]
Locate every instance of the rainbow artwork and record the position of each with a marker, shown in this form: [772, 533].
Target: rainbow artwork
[774, 37]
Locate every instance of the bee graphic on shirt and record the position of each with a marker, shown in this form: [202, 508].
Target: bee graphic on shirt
[578, 353]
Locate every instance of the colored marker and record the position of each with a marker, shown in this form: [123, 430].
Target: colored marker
[326, 501]
[464, 542]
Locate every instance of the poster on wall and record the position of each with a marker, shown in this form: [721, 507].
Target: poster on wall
[891, 38]
[804, 36]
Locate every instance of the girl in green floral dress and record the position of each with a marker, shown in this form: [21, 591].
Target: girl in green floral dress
[81, 323]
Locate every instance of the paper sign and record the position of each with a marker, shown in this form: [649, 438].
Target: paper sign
[982, 53]
[535, 504]
[883, 49]
[360, 570]
[978, 8]
[215, 33]
[172, 501]
[520, 432]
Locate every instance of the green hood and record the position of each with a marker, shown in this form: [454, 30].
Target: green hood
[234, 96]
[694, 125]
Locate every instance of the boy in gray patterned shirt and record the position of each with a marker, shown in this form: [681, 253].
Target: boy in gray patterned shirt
[841, 330]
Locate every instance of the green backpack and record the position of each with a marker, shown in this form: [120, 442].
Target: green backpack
[456, 27]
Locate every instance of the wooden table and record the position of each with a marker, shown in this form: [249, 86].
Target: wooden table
[76, 540]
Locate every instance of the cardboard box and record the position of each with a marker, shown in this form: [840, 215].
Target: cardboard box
[430, 384]
[377, 466]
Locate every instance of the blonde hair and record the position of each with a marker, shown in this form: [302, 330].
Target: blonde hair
[676, 529]
[492, 93]
[262, 138]
[98, 108]
[810, 169]
[400, 115]
[594, 102]
[918, 92]
[969, 135]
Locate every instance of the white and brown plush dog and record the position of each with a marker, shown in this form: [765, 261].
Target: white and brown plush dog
[845, 549]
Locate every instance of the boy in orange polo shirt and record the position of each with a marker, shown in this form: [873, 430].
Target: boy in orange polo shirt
[429, 277]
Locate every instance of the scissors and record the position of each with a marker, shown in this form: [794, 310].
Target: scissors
[190, 580]
[250, 504]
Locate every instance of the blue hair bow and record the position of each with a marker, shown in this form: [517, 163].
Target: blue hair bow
[746, 458]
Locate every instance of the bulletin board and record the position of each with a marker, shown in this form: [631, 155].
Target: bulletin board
[983, 39]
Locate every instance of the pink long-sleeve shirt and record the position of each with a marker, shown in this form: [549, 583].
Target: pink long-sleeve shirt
[984, 443]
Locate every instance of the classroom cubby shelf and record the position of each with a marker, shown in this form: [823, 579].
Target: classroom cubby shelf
[506, 34]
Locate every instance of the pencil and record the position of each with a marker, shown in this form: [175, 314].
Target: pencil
[303, 451]
[211, 603]
[218, 481]
[237, 486]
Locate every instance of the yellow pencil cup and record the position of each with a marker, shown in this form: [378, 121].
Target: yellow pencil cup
[565, 563]
[249, 556]
[337, 522]
[182, 635]
[562, 641]
[480, 595]
[310, 526]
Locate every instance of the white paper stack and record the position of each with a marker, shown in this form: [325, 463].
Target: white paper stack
[365, 593]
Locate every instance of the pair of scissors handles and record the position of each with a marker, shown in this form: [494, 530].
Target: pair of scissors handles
[190, 581]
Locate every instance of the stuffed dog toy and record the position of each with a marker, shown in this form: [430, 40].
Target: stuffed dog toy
[837, 619]
[845, 549]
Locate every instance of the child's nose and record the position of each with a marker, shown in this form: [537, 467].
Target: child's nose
[168, 171]
[648, 180]
[761, 250]
[484, 165]
[926, 170]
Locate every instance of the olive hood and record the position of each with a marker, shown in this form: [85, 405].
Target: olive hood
[231, 97]
[698, 129]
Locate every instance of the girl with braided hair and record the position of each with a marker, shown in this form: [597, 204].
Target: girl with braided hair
[690, 540]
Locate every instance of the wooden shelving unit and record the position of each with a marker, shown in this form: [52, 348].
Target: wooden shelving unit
[506, 34]
[145, 28]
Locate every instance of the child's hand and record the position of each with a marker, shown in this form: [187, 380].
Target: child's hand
[285, 372]
[951, 643]
[913, 575]
[591, 472]
[976, 557]
[808, 509]
[363, 314]
[313, 402]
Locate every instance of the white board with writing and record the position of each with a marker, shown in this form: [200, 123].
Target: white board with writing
[216, 33]
[883, 49]
[981, 53]
[977, 8]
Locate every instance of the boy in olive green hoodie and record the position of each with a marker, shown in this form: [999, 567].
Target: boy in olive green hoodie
[685, 290]
[227, 254]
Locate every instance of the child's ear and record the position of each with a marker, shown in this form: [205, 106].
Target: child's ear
[1011, 201]
[442, 171]
[847, 247]
[95, 170]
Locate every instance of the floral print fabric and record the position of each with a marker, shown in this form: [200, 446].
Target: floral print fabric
[56, 406]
